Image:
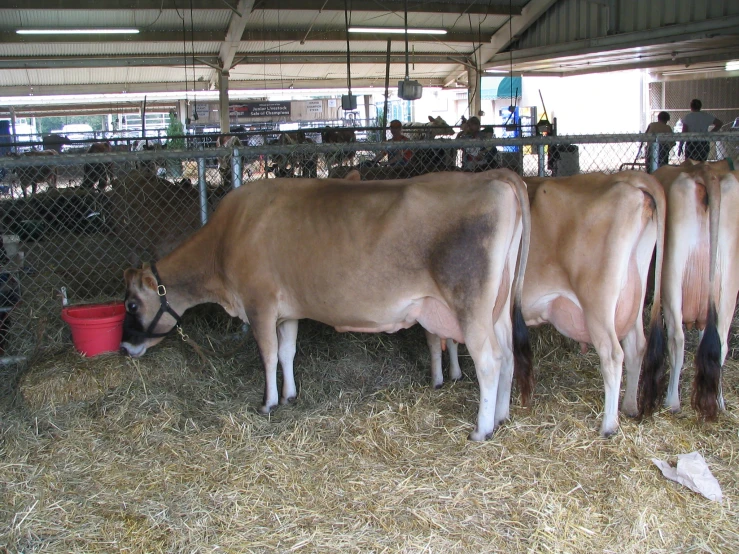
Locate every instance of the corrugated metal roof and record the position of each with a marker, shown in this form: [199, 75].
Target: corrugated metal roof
[102, 49]
[277, 19]
[294, 72]
[152, 20]
[123, 75]
[567, 21]
[571, 20]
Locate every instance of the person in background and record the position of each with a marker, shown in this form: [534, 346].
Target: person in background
[396, 156]
[698, 122]
[660, 127]
[475, 158]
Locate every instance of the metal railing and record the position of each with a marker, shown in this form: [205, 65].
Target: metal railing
[79, 220]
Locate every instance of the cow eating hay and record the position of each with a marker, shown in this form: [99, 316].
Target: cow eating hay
[263, 258]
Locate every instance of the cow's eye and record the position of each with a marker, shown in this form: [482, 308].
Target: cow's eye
[132, 307]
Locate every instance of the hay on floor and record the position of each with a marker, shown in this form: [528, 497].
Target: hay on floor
[167, 454]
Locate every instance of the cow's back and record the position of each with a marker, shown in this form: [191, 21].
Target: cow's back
[323, 238]
[588, 232]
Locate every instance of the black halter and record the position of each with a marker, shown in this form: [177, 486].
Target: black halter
[163, 307]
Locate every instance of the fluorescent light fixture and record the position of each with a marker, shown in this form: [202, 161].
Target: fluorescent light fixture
[396, 31]
[77, 31]
[732, 66]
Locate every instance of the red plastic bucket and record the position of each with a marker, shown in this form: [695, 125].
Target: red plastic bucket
[96, 328]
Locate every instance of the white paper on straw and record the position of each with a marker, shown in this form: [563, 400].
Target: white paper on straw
[692, 471]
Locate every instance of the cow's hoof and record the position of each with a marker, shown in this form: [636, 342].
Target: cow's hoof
[673, 408]
[288, 400]
[633, 413]
[265, 410]
[608, 433]
[437, 386]
[478, 436]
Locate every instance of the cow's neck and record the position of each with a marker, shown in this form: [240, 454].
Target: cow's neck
[189, 273]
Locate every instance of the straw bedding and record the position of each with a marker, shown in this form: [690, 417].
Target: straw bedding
[167, 454]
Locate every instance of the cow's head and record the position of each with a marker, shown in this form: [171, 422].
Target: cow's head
[149, 316]
[443, 129]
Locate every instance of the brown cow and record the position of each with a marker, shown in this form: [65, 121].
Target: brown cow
[99, 173]
[592, 238]
[332, 135]
[263, 257]
[700, 278]
[37, 174]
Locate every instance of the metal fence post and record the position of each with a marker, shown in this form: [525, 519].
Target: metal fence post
[542, 160]
[236, 168]
[202, 187]
[653, 157]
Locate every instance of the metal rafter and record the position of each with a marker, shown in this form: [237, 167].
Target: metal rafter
[502, 37]
[256, 35]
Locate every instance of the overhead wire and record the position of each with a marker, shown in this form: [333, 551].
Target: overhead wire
[192, 48]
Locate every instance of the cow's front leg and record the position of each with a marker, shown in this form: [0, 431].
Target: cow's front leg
[265, 333]
[287, 336]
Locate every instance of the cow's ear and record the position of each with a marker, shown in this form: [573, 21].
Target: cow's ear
[147, 278]
[129, 275]
[431, 119]
[353, 175]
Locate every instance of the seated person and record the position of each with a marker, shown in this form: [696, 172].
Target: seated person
[396, 156]
[475, 158]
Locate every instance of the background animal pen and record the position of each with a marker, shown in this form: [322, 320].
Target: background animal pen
[81, 238]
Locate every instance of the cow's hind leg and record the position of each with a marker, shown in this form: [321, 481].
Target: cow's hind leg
[611, 356]
[634, 346]
[504, 334]
[455, 372]
[287, 336]
[675, 350]
[265, 333]
[434, 342]
[484, 349]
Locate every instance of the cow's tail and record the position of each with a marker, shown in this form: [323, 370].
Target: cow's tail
[652, 385]
[522, 357]
[707, 381]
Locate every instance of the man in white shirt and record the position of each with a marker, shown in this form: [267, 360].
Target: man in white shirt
[698, 122]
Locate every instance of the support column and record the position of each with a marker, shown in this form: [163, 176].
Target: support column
[367, 100]
[12, 127]
[182, 112]
[474, 91]
[223, 101]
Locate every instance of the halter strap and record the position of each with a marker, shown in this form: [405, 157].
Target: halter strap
[164, 307]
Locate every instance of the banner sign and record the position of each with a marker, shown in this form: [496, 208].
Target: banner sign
[259, 109]
[315, 106]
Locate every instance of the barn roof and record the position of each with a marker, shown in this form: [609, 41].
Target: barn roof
[267, 44]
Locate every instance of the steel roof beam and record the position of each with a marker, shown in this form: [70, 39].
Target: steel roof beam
[235, 85]
[257, 35]
[175, 60]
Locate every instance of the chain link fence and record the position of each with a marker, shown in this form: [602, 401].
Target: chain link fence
[75, 222]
